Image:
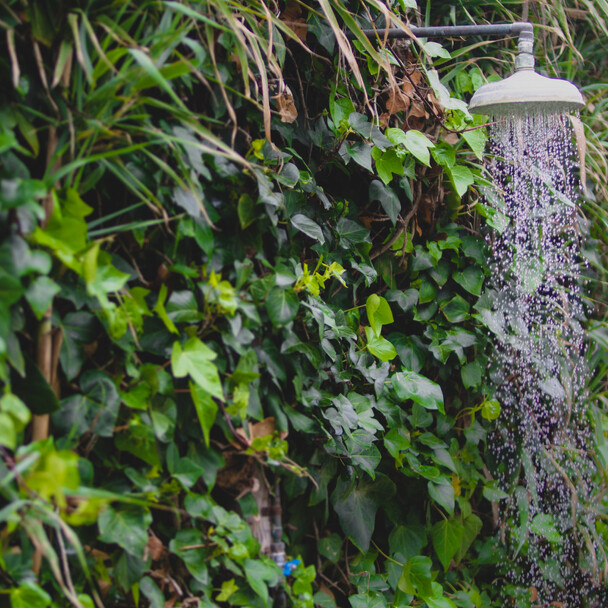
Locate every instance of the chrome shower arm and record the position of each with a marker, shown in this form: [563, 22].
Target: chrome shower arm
[443, 31]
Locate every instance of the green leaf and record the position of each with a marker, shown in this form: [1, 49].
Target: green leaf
[444, 155]
[160, 310]
[206, 409]
[425, 392]
[388, 199]
[415, 142]
[8, 433]
[151, 591]
[456, 310]
[490, 409]
[543, 525]
[407, 541]
[196, 360]
[378, 312]
[378, 346]
[330, 547]
[29, 595]
[477, 140]
[228, 588]
[79, 330]
[360, 152]
[416, 577]
[434, 49]
[442, 492]
[194, 558]
[94, 409]
[350, 233]
[260, 576]
[471, 374]
[40, 294]
[387, 163]
[33, 389]
[282, 306]
[356, 505]
[446, 536]
[310, 228]
[471, 279]
[471, 528]
[396, 441]
[127, 526]
[461, 178]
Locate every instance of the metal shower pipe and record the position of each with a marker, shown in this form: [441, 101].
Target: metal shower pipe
[443, 31]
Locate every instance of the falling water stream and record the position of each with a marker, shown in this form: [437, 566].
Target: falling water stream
[541, 444]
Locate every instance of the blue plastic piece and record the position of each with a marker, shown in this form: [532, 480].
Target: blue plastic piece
[290, 566]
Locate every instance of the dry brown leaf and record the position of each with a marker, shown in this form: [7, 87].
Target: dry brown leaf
[533, 594]
[292, 17]
[581, 148]
[397, 101]
[155, 548]
[287, 109]
[263, 428]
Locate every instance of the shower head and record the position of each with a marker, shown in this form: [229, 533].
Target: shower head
[526, 91]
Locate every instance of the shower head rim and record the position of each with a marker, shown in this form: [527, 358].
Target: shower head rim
[526, 92]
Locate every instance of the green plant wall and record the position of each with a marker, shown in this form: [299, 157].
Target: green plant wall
[239, 251]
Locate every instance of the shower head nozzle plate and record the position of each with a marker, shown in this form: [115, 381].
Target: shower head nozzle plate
[526, 92]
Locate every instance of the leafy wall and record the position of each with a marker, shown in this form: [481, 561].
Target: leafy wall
[242, 273]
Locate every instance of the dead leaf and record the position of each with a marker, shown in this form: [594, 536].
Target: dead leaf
[581, 148]
[533, 594]
[155, 548]
[263, 428]
[397, 101]
[287, 109]
[292, 17]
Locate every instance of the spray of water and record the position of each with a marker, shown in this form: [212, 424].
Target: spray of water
[541, 445]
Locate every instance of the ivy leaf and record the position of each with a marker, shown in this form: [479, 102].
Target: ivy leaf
[471, 374]
[543, 525]
[95, 408]
[446, 536]
[282, 306]
[350, 233]
[126, 526]
[471, 528]
[40, 294]
[29, 595]
[470, 279]
[416, 577]
[360, 152]
[387, 163]
[356, 505]
[477, 140]
[378, 346]
[461, 178]
[378, 312]
[421, 390]
[456, 309]
[490, 409]
[195, 360]
[206, 409]
[415, 142]
[33, 389]
[309, 227]
[79, 330]
[388, 199]
[442, 492]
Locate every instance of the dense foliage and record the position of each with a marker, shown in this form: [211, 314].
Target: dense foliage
[242, 256]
